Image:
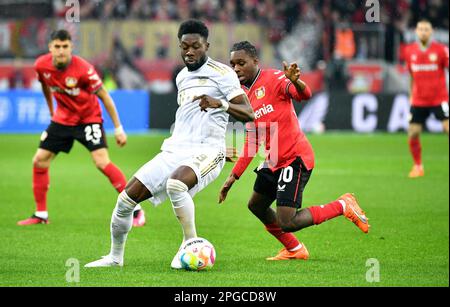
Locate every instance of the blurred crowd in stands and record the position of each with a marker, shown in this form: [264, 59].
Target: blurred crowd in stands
[311, 32]
[278, 16]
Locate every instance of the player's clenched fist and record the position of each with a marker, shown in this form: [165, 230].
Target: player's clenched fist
[226, 187]
[292, 72]
[207, 102]
[121, 137]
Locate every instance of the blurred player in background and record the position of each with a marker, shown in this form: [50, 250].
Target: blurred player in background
[290, 158]
[193, 157]
[426, 61]
[75, 85]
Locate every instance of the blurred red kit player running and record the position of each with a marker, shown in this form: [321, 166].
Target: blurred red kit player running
[427, 61]
[75, 85]
[290, 158]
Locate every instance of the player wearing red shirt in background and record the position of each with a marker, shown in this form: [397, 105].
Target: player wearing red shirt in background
[426, 61]
[290, 158]
[75, 85]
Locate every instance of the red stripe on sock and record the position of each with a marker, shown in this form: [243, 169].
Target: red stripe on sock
[298, 182]
[321, 214]
[416, 150]
[286, 238]
[41, 182]
[115, 176]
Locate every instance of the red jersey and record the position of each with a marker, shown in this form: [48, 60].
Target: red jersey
[427, 68]
[276, 123]
[74, 89]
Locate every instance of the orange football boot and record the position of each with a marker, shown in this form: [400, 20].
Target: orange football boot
[354, 213]
[284, 254]
[33, 220]
[416, 171]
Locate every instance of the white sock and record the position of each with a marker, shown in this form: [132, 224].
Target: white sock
[121, 222]
[342, 204]
[183, 207]
[296, 248]
[138, 207]
[42, 214]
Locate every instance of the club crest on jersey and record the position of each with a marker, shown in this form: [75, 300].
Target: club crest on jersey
[71, 82]
[433, 57]
[260, 92]
[414, 57]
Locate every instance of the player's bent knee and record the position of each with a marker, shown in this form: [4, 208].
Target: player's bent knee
[175, 186]
[124, 199]
[123, 196]
[414, 135]
[253, 208]
[176, 189]
[101, 164]
[414, 131]
[41, 162]
[287, 226]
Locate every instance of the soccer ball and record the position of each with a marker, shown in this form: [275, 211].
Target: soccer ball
[197, 254]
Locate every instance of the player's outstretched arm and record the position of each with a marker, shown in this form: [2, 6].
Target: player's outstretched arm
[249, 151]
[119, 133]
[239, 107]
[226, 187]
[292, 72]
[48, 97]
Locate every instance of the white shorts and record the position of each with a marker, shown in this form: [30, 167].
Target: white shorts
[206, 163]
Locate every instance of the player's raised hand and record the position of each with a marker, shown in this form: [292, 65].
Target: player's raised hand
[121, 137]
[207, 102]
[226, 187]
[231, 154]
[292, 72]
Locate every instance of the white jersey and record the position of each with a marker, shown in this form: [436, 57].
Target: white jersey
[194, 128]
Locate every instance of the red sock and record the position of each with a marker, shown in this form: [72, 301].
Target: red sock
[416, 150]
[286, 238]
[323, 213]
[40, 187]
[115, 176]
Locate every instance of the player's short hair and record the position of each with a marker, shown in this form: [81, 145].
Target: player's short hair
[193, 26]
[247, 47]
[61, 34]
[424, 20]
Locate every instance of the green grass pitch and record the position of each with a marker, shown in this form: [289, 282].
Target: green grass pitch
[409, 237]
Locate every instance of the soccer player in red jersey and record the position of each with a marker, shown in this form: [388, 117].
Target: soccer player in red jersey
[290, 158]
[426, 61]
[75, 85]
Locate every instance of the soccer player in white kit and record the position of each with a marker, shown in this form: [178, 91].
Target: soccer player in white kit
[208, 91]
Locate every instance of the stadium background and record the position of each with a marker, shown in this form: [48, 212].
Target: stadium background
[359, 83]
[133, 44]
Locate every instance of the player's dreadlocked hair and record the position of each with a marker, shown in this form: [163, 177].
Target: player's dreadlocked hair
[61, 35]
[247, 47]
[193, 26]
